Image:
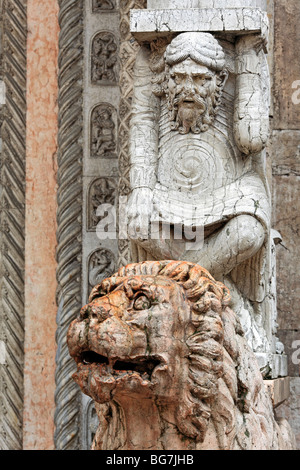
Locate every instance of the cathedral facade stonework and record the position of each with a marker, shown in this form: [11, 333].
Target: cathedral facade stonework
[127, 129]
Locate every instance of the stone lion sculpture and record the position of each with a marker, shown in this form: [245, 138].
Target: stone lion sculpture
[164, 358]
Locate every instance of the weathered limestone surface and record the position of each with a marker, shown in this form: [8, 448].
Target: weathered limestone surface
[285, 151]
[290, 409]
[147, 24]
[285, 155]
[166, 361]
[286, 196]
[287, 64]
[279, 390]
[177, 4]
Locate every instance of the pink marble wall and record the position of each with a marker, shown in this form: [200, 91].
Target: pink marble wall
[40, 306]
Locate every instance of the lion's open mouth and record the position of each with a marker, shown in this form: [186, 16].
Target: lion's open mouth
[142, 365]
[90, 357]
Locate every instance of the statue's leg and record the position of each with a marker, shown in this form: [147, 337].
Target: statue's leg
[239, 240]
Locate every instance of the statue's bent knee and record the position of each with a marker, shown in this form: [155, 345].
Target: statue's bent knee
[249, 233]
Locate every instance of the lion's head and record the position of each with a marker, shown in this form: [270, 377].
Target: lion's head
[158, 346]
[154, 329]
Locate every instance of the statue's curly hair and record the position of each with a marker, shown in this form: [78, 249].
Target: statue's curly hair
[207, 299]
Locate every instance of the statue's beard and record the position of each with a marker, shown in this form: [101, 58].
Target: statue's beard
[191, 112]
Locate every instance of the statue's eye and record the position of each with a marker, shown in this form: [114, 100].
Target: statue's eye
[178, 78]
[141, 303]
[202, 80]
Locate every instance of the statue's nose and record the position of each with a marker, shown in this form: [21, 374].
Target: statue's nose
[189, 84]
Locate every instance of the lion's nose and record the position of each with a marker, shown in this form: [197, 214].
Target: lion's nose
[95, 311]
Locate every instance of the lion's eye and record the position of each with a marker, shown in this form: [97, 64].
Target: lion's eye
[142, 303]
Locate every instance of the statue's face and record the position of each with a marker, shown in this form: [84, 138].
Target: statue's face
[131, 341]
[191, 90]
[190, 79]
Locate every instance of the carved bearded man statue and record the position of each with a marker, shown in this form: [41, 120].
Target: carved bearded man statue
[198, 132]
[194, 78]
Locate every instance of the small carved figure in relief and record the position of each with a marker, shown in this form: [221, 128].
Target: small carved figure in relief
[103, 132]
[104, 58]
[101, 265]
[102, 191]
[99, 5]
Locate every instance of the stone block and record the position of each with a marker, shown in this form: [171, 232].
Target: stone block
[149, 24]
[184, 4]
[279, 390]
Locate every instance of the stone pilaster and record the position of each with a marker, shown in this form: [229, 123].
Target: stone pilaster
[12, 223]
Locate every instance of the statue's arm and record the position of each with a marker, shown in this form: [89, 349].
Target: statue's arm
[251, 114]
[143, 143]
[144, 126]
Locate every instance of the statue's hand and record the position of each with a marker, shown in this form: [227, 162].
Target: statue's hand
[140, 206]
[249, 44]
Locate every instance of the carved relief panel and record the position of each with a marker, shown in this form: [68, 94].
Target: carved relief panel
[103, 132]
[102, 264]
[104, 59]
[103, 5]
[102, 191]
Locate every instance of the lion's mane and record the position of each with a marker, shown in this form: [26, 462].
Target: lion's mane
[225, 394]
[208, 299]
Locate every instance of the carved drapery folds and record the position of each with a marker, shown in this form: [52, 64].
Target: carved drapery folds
[104, 59]
[12, 223]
